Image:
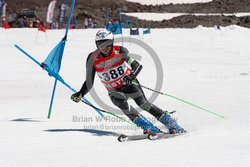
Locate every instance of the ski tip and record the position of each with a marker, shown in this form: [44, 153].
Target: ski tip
[171, 112]
[152, 136]
[122, 138]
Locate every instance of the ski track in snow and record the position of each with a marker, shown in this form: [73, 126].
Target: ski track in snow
[206, 66]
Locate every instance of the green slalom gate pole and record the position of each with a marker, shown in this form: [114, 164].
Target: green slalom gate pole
[179, 99]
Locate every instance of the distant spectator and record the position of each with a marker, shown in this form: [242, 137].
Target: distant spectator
[54, 25]
[36, 22]
[3, 19]
[95, 23]
[90, 23]
[86, 23]
[4, 23]
[42, 23]
[20, 23]
[73, 23]
[25, 21]
[49, 26]
[116, 20]
[30, 24]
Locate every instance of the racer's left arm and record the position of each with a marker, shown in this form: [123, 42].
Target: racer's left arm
[135, 65]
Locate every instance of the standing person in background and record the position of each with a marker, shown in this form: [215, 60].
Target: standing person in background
[90, 23]
[86, 23]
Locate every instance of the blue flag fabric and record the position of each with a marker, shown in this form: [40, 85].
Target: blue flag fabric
[115, 29]
[134, 32]
[127, 23]
[118, 29]
[1, 7]
[147, 31]
[110, 28]
[62, 11]
[54, 59]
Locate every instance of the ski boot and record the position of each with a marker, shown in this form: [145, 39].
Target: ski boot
[147, 126]
[171, 124]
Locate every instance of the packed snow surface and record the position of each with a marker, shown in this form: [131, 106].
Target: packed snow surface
[168, 16]
[205, 66]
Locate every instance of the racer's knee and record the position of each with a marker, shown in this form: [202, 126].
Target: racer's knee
[119, 99]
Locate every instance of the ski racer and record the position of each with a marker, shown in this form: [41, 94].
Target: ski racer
[118, 73]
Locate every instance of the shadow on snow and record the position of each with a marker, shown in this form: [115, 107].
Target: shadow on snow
[91, 131]
[25, 120]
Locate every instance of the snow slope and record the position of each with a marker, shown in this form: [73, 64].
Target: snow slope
[159, 2]
[205, 66]
[168, 16]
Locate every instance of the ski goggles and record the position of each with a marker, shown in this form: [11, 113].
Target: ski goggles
[104, 43]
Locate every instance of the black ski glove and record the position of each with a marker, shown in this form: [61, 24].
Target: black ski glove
[128, 79]
[76, 97]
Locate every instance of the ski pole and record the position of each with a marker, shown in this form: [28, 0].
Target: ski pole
[179, 99]
[121, 118]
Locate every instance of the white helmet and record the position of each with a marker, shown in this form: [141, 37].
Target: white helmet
[104, 38]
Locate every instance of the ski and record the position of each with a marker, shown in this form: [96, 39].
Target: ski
[171, 112]
[151, 136]
[125, 138]
[158, 136]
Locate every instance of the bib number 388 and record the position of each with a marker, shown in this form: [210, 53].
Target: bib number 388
[115, 73]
